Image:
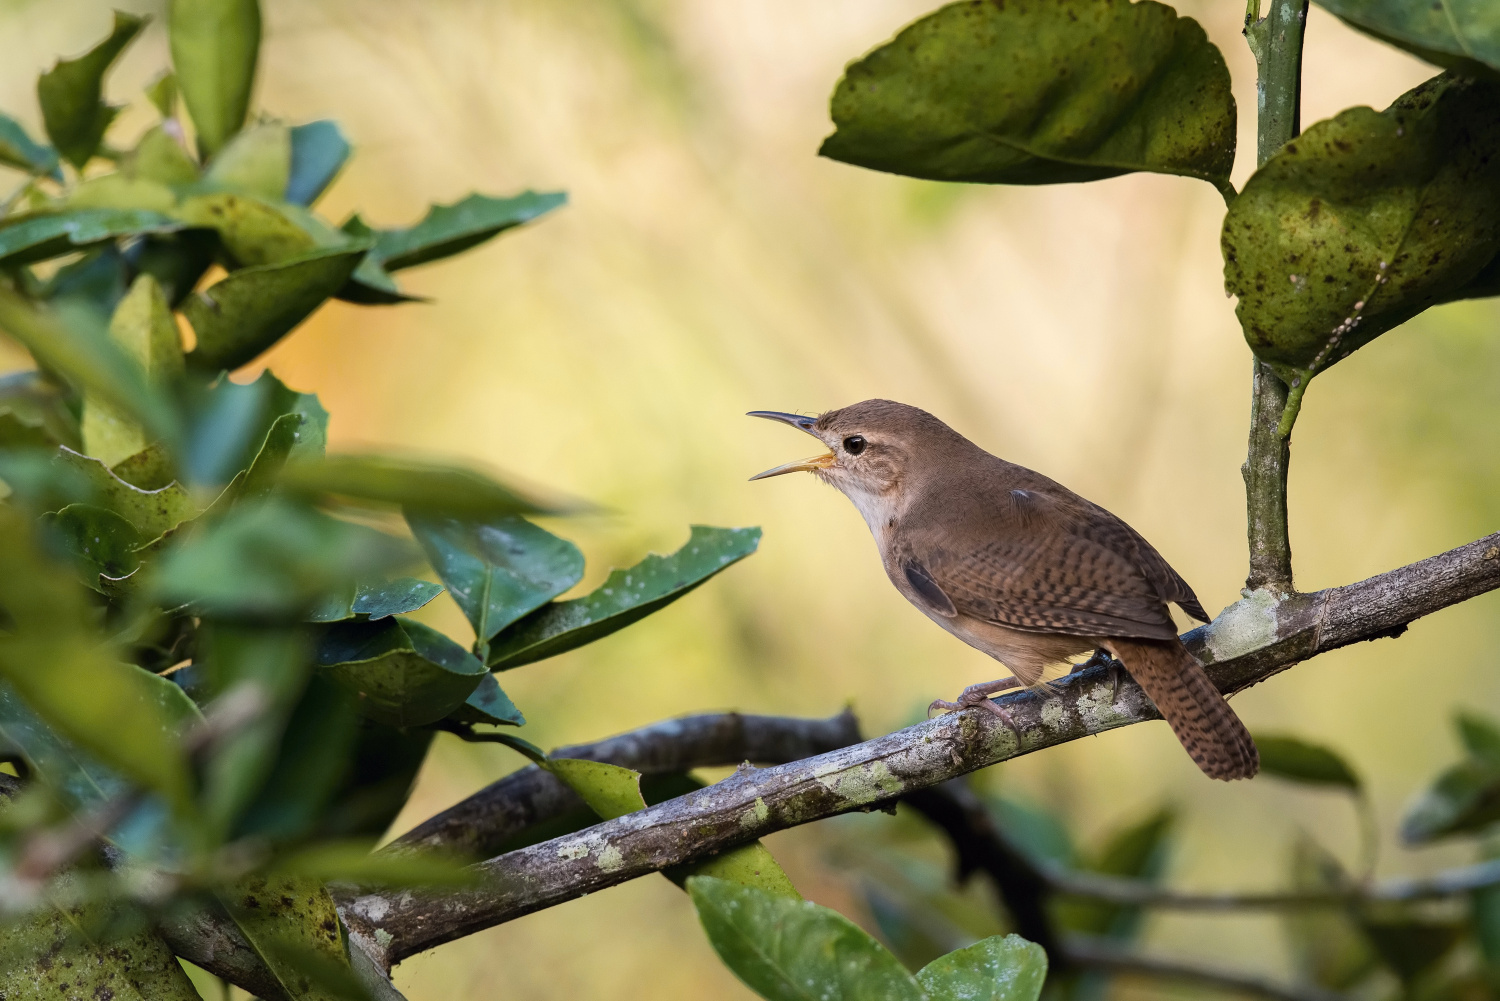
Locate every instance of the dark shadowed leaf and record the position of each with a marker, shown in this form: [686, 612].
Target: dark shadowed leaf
[176, 260]
[1480, 735]
[152, 512]
[497, 570]
[377, 599]
[38, 236]
[34, 413]
[1465, 799]
[794, 950]
[214, 47]
[1039, 92]
[71, 94]
[319, 149]
[1137, 851]
[19, 150]
[1364, 221]
[1410, 945]
[80, 779]
[242, 316]
[488, 704]
[1461, 35]
[419, 486]
[1327, 946]
[625, 597]
[402, 673]
[101, 540]
[1007, 968]
[1300, 761]
[257, 161]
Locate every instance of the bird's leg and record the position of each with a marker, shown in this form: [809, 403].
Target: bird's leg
[1102, 658]
[979, 695]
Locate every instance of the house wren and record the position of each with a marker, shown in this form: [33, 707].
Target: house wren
[1020, 567]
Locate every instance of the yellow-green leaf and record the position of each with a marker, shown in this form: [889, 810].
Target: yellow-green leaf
[214, 48]
[144, 326]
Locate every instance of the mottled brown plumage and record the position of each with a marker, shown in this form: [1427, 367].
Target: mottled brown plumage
[1017, 565]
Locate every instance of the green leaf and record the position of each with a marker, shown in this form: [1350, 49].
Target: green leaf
[1038, 92]
[25, 239]
[100, 539]
[231, 422]
[257, 480]
[352, 862]
[80, 779]
[149, 469]
[401, 672]
[488, 704]
[1295, 759]
[319, 151]
[160, 157]
[1327, 947]
[19, 150]
[1465, 799]
[497, 570]
[124, 192]
[1364, 221]
[609, 790]
[257, 161]
[795, 950]
[293, 925]
[144, 327]
[421, 487]
[152, 512]
[750, 865]
[70, 676]
[176, 260]
[1460, 35]
[1480, 735]
[271, 560]
[445, 231]
[162, 93]
[34, 413]
[1411, 945]
[1007, 968]
[1137, 851]
[377, 599]
[255, 231]
[71, 94]
[214, 47]
[241, 317]
[625, 597]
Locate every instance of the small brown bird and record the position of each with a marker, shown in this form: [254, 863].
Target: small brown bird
[1019, 566]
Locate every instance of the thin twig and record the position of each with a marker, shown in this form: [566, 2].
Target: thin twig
[1101, 956]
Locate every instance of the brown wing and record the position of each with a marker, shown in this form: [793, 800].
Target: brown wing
[1040, 561]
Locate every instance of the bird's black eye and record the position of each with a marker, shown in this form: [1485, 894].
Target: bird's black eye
[854, 444]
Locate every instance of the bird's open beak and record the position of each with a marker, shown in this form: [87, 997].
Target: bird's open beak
[802, 424]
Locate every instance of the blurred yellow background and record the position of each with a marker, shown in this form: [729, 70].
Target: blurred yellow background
[709, 263]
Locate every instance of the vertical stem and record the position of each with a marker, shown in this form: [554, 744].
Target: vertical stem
[1276, 41]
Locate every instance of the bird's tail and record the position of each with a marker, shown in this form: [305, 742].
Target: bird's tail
[1210, 731]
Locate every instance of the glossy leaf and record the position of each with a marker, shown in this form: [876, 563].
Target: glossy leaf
[25, 239]
[71, 94]
[402, 673]
[795, 950]
[1007, 968]
[144, 327]
[214, 48]
[319, 151]
[1460, 35]
[1039, 92]
[1364, 221]
[242, 316]
[257, 161]
[257, 480]
[497, 570]
[271, 560]
[625, 597]
[152, 512]
[377, 599]
[1300, 761]
[19, 150]
[421, 487]
[488, 704]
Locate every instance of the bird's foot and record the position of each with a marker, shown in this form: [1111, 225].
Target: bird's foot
[979, 696]
[1102, 658]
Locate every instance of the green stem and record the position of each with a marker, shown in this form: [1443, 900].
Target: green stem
[1276, 41]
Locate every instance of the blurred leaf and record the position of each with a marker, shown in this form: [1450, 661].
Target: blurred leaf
[445, 231]
[421, 487]
[232, 421]
[271, 560]
[34, 481]
[53, 655]
[1484, 913]
[81, 351]
[293, 925]
[1364, 221]
[176, 260]
[1480, 735]
[71, 952]
[319, 150]
[149, 469]
[159, 157]
[1463, 800]
[243, 315]
[144, 327]
[625, 597]
[152, 512]
[214, 47]
[256, 481]
[1034, 92]
[38, 236]
[162, 93]
[352, 862]
[1035, 831]
[1137, 851]
[379, 782]
[378, 599]
[71, 94]
[792, 950]
[1327, 947]
[402, 672]
[19, 150]
[488, 704]
[1464, 37]
[257, 161]
[33, 413]
[995, 969]
[497, 570]
[256, 232]
[1300, 761]
[123, 192]
[1409, 945]
[81, 779]
[99, 538]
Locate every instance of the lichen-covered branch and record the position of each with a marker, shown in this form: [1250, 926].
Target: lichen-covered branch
[1249, 642]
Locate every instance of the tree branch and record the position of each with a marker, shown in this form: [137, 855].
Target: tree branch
[1249, 642]
[1102, 956]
